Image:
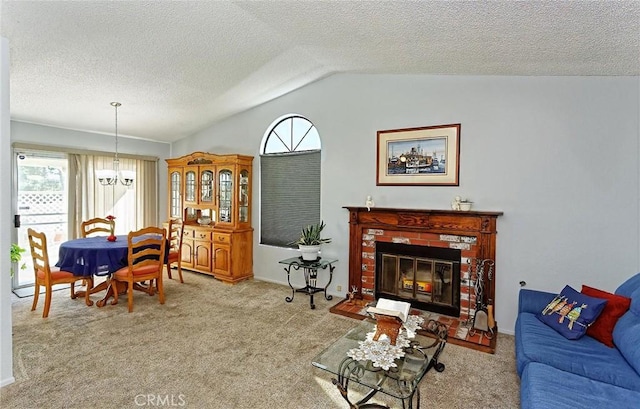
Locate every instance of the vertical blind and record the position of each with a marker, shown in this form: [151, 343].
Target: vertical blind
[290, 196]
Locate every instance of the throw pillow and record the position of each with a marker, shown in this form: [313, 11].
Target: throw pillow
[570, 312]
[617, 305]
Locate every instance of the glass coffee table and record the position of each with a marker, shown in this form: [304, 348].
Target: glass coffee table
[400, 381]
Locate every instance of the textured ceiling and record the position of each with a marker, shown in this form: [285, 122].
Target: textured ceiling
[179, 66]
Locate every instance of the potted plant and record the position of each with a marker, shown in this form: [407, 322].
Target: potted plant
[16, 256]
[310, 241]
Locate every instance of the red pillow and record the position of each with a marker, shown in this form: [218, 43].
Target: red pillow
[617, 305]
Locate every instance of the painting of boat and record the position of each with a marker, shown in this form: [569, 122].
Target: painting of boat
[413, 159]
[426, 156]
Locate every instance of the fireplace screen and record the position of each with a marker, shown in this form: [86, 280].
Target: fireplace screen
[428, 277]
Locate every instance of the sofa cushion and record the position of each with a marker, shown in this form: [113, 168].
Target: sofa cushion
[635, 302]
[617, 305]
[629, 286]
[626, 334]
[537, 342]
[544, 387]
[533, 301]
[570, 312]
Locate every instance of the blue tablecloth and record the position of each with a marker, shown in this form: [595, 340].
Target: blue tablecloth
[93, 255]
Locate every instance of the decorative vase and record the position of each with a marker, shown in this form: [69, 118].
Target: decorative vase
[309, 253]
[112, 238]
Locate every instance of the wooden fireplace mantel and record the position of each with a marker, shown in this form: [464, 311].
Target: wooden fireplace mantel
[480, 225]
[420, 219]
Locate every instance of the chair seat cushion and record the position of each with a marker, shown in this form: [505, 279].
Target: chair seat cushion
[173, 256]
[123, 273]
[56, 274]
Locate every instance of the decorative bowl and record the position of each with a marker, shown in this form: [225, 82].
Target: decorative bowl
[204, 221]
[466, 206]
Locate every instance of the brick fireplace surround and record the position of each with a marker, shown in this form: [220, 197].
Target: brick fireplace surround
[472, 232]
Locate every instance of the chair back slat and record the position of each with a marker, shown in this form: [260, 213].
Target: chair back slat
[39, 253]
[146, 247]
[97, 225]
[175, 233]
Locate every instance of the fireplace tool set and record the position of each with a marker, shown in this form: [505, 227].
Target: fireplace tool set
[483, 316]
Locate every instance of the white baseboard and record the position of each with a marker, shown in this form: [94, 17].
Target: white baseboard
[8, 381]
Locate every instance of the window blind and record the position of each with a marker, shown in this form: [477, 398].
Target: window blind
[290, 196]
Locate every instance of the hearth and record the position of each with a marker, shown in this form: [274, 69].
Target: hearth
[425, 276]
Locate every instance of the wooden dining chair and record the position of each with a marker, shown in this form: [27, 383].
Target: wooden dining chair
[97, 225]
[174, 238]
[47, 276]
[146, 255]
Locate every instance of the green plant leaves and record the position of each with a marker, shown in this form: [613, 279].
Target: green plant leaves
[311, 235]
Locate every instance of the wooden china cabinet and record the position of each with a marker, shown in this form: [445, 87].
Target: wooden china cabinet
[203, 187]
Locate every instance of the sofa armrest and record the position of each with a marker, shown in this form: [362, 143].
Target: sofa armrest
[533, 301]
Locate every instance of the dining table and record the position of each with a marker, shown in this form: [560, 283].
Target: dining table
[95, 256]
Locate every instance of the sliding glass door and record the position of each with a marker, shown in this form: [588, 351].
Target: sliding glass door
[41, 196]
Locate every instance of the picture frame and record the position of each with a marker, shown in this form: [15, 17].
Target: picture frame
[425, 156]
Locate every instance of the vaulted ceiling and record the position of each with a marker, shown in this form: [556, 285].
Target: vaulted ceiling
[180, 66]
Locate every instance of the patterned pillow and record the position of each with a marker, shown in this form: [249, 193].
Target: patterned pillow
[570, 312]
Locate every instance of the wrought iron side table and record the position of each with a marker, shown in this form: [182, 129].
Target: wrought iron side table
[310, 269]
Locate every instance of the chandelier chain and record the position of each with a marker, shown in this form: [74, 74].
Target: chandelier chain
[116, 161]
[109, 178]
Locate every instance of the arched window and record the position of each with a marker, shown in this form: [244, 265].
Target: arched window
[289, 180]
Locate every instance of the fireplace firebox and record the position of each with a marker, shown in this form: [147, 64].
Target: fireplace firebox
[427, 277]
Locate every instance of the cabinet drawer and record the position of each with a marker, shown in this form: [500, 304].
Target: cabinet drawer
[221, 238]
[202, 235]
[188, 234]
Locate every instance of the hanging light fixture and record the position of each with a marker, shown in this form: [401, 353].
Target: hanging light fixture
[108, 177]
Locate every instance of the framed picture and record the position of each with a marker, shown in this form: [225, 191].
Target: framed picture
[427, 156]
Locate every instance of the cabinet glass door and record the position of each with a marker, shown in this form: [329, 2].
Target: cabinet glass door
[206, 186]
[243, 196]
[190, 186]
[176, 199]
[226, 195]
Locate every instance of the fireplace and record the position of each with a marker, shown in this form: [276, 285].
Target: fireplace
[385, 242]
[427, 277]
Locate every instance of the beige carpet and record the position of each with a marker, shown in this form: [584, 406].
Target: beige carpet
[213, 345]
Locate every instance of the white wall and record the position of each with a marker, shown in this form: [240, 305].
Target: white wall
[6, 350]
[558, 155]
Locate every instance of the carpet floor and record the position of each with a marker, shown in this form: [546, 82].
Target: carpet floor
[214, 345]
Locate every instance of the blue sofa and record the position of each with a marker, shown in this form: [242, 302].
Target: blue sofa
[559, 373]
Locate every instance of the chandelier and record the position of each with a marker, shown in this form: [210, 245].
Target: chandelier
[108, 177]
